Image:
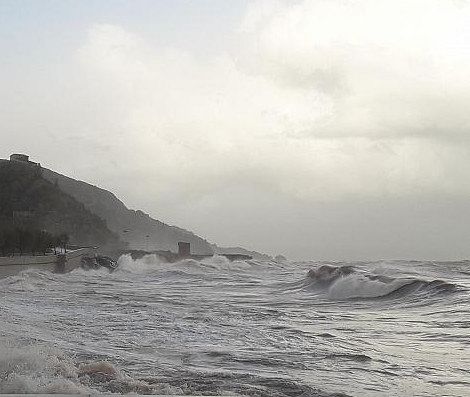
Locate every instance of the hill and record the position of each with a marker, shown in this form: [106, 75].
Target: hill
[136, 228]
[28, 200]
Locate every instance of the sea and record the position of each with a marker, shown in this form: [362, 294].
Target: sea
[243, 328]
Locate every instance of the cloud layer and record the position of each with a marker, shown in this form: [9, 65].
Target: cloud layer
[319, 102]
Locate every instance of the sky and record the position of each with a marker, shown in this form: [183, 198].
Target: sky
[321, 129]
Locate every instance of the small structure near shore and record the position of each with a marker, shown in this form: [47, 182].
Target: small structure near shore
[184, 249]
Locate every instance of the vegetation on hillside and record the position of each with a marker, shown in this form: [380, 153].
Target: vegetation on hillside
[31, 205]
[30, 241]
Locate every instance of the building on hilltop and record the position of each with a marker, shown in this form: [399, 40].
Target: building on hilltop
[23, 158]
[19, 157]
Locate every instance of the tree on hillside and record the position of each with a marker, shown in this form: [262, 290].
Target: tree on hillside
[3, 239]
[62, 241]
[30, 241]
[43, 241]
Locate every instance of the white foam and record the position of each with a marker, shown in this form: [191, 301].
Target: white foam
[151, 263]
[147, 263]
[43, 370]
[38, 369]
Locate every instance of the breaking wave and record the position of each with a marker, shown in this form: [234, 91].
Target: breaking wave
[38, 369]
[152, 263]
[215, 327]
[346, 282]
[45, 370]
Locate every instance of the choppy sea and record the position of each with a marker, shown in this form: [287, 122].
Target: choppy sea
[214, 327]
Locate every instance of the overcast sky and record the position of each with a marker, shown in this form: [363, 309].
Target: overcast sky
[329, 129]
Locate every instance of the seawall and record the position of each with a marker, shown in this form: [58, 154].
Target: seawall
[54, 263]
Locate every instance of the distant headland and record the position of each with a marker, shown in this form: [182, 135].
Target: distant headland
[36, 197]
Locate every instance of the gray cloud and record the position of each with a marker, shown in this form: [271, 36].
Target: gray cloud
[325, 110]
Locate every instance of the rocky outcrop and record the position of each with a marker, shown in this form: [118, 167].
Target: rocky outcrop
[241, 251]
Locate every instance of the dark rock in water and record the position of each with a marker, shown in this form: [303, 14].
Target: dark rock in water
[237, 257]
[240, 250]
[106, 261]
[98, 261]
[89, 263]
[326, 273]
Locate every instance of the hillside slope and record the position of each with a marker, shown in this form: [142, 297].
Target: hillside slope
[30, 201]
[132, 226]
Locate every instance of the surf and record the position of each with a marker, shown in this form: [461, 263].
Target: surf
[348, 282]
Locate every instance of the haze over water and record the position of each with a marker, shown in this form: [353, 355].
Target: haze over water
[323, 129]
[344, 121]
[239, 328]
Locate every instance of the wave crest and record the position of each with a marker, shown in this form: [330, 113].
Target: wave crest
[36, 369]
[153, 263]
[346, 282]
